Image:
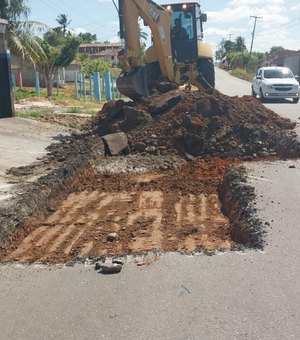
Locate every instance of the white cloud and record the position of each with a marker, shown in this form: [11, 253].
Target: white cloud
[255, 2]
[218, 32]
[265, 40]
[295, 7]
[228, 14]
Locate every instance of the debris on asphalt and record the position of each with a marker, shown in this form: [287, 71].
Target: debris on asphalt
[108, 268]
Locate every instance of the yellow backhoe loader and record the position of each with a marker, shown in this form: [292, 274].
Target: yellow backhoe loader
[178, 53]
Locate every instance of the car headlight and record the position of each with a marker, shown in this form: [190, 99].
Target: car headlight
[270, 86]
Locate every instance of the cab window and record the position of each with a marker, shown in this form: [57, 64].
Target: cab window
[186, 19]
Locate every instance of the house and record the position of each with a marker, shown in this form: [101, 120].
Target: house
[108, 52]
[293, 63]
[277, 58]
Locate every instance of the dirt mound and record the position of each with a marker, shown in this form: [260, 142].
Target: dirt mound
[74, 121]
[198, 124]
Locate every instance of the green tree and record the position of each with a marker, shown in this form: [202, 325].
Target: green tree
[240, 59]
[275, 49]
[229, 46]
[240, 44]
[20, 31]
[97, 65]
[220, 52]
[257, 60]
[143, 35]
[87, 37]
[58, 55]
[63, 22]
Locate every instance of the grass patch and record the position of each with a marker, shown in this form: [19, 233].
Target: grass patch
[74, 109]
[24, 94]
[242, 74]
[34, 113]
[65, 98]
[82, 110]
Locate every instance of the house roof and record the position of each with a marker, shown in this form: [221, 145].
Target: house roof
[101, 45]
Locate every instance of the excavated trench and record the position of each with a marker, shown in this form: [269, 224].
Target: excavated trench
[99, 207]
[182, 188]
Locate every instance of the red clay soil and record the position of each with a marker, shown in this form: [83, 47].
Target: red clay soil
[166, 211]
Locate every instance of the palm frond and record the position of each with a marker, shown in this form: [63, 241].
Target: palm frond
[32, 26]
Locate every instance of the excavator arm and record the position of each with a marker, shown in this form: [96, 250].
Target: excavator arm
[133, 80]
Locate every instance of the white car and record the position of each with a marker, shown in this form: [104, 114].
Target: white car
[275, 82]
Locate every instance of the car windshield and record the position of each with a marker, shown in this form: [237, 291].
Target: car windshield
[285, 73]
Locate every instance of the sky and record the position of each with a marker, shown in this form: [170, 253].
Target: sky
[279, 26]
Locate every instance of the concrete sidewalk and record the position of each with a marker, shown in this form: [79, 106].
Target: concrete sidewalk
[22, 142]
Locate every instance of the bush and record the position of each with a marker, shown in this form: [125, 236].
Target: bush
[242, 74]
[242, 60]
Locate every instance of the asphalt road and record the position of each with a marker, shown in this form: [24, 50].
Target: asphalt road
[238, 87]
[233, 295]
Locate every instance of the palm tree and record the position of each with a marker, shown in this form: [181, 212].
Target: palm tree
[19, 31]
[62, 19]
[143, 35]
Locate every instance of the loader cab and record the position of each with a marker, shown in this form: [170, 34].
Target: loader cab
[188, 18]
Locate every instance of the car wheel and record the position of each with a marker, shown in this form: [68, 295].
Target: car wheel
[261, 96]
[295, 100]
[253, 94]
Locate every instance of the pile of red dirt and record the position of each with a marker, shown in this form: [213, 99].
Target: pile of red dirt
[198, 124]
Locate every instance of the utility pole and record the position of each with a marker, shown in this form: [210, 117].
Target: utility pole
[255, 19]
[230, 34]
[7, 108]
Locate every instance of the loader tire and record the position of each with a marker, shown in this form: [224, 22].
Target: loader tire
[153, 74]
[206, 67]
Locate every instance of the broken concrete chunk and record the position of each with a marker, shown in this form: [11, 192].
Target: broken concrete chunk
[110, 268]
[165, 86]
[115, 143]
[165, 101]
[113, 108]
[134, 115]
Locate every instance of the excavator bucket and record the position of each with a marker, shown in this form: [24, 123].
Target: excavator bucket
[134, 84]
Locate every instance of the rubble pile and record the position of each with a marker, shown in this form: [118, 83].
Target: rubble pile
[205, 124]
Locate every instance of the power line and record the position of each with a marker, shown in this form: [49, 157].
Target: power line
[255, 19]
[50, 6]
